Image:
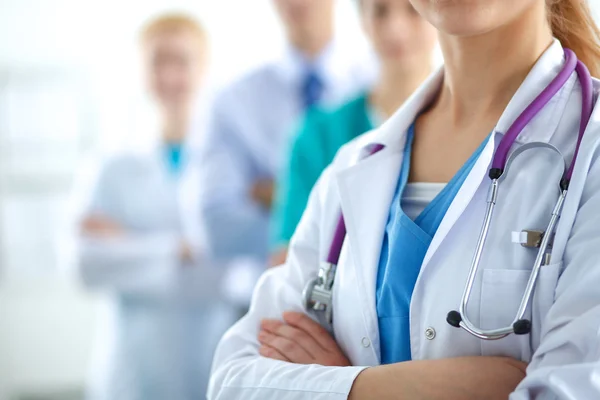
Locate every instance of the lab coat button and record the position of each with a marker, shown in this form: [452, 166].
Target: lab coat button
[430, 333]
[366, 342]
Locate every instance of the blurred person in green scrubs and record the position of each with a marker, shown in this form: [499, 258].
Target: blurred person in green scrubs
[404, 44]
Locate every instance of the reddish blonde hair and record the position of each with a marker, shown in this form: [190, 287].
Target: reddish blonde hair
[572, 23]
[173, 23]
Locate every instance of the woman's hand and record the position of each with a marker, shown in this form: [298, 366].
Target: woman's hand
[186, 255]
[299, 340]
[101, 226]
[278, 257]
[262, 192]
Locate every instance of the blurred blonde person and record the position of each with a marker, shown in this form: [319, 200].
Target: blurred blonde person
[141, 242]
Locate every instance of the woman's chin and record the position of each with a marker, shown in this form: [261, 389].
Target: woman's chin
[463, 26]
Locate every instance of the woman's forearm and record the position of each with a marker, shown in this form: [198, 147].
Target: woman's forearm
[462, 378]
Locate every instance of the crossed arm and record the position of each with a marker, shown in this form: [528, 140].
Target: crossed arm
[298, 339]
[294, 338]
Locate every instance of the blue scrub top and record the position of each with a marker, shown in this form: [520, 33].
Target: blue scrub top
[174, 157]
[405, 244]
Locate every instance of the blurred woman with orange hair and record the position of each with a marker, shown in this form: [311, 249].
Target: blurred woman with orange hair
[140, 240]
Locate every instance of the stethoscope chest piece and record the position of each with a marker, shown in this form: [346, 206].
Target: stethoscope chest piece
[317, 295]
[308, 302]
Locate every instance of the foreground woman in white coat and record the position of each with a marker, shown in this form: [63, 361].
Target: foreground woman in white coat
[413, 213]
[141, 243]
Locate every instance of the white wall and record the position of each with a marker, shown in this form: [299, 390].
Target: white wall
[98, 39]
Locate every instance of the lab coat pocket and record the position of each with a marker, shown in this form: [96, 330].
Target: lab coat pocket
[543, 299]
[502, 292]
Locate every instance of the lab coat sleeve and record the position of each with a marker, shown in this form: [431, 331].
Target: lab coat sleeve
[239, 372]
[566, 365]
[305, 164]
[232, 219]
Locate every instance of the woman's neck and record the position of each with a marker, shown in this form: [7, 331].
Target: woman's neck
[313, 44]
[395, 86]
[174, 129]
[483, 73]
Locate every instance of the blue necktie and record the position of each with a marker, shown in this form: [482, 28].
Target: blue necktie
[312, 88]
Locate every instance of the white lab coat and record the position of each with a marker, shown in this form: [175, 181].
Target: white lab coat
[163, 319]
[563, 349]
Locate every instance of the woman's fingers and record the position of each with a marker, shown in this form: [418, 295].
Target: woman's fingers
[331, 355]
[100, 226]
[316, 331]
[286, 347]
[269, 352]
[303, 339]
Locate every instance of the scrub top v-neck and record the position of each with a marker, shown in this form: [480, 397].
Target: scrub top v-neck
[405, 244]
[174, 157]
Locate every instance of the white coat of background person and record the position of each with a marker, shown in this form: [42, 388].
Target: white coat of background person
[500, 55]
[253, 119]
[141, 242]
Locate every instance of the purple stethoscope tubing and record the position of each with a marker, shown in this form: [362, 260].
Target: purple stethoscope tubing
[572, 64]
[520, 324]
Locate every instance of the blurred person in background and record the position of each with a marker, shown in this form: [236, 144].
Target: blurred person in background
[404, 43]
[251, 121]
[141, 241]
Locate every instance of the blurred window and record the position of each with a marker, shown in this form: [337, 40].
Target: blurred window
[44, 126]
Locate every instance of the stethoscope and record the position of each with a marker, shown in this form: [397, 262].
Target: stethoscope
[318, 294]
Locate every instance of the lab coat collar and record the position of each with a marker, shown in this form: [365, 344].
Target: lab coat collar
[541, 128]
[392, 134]
[154, 153]
[366, 191]
[156, 146]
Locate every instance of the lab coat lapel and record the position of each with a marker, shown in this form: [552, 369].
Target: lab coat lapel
[366, 190]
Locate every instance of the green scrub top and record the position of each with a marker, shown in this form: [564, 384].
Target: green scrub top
[320, 135]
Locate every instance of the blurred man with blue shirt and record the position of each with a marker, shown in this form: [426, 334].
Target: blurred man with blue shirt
[253, 119]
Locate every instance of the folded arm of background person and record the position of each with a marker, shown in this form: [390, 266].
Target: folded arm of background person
[129, 262]
[112, 256]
